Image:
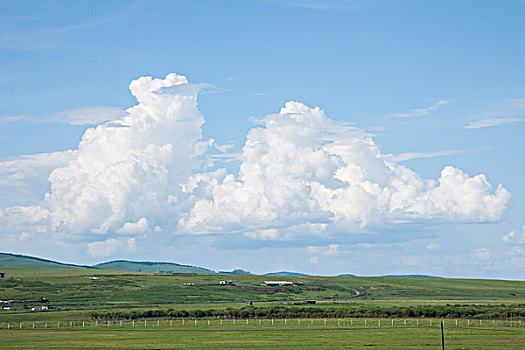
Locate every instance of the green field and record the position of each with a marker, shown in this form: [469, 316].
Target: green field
[87, 296]
[309, 334]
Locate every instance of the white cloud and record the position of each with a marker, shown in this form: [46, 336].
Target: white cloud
[517, 103]
[103, 249]
[265, 235]
[88, 115]
[481, 254]
[513, 237]
[509, 236]
[401, 157]
[321, 4]
[300, 173]
[489, 122]
[433, 246]
[23, 180]
[330, 250]
[6, 119]
[132, 244]
[121, 175]
[303, 167]
[420, 112]
[132, 228]
[76, 116]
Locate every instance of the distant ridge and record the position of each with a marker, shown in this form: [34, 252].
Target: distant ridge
[154, 267]
[413, 276]
[237, 272]
[285, 273]
[9, 259]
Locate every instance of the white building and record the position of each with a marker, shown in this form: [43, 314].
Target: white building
[277, 283]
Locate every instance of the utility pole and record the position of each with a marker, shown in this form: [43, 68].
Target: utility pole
[442, 337]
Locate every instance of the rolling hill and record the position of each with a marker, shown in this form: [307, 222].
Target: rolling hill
[8, 259]
[285, 273]
[153, 267]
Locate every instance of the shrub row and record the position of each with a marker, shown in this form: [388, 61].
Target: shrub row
[448, 311]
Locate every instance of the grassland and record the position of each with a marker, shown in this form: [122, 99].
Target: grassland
[77, 294]
[266, 335]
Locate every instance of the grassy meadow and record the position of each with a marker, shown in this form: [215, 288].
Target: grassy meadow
[292, 335]
[77, 295]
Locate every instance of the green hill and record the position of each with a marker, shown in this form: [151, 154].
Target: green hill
[235, 272]
[153, 267]
[285, 273]
[8, 259]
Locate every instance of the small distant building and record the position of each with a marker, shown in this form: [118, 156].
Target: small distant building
[277, 283]
[226, 283]
[249, 303]
[2, 274]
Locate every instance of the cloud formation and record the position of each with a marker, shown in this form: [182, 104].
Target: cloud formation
[420, 112]
[301, 167]
[88, 115]
[300, 173]
[489, 122]
[513, 237]
[517, 103]
[91, 115]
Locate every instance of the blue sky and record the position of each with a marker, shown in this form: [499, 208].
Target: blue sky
[432, 84]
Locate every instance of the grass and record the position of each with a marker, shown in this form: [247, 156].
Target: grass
[78, 292]
[264, 336]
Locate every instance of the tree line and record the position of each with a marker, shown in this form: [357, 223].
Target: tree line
[431, 311]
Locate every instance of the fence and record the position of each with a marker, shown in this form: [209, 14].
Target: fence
[260, 322]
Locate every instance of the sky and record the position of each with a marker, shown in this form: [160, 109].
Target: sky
[367, 137]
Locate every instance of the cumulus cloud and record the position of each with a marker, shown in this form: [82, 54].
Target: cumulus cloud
[265, 235]
[122, 175]
[103, 249]
[489, 122]
[420, 112]
[300, 173]
[23, 180]
[330, 250]
[301, 167]
[141, 226]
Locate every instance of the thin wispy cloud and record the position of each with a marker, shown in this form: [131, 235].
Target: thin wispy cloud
[6, 119]
[322, 4]
[517, 102]
[90, 115]
[417, 155]
[495, 121]
[421, 112]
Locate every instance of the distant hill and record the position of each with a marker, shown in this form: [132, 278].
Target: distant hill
[236, 272]
[153, 267]
[412, 276]
[8, 259]
[285, 273]
[345, 275]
